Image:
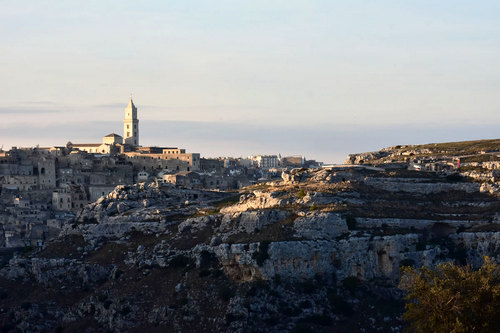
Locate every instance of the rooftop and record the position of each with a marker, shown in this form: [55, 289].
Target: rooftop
[113, 135]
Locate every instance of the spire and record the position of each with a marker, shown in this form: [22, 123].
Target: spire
[131, 105]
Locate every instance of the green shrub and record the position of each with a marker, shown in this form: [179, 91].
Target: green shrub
[226, 292]
[272, 320]
[217, 273]
[351, 283]
[339, 304]
[179, 261]
[452, 298]
[337, 263]
[25, 305]
[302, 327]
[27, 250]
[421, 245]
[351, 222]
[308, 286]
[107, 304]
[455, 177]
[261, 255]
[204, 273]
[407, 262]
[125, 311]
[230, 317]
[288, 310]
[318, 319]
[305, 304]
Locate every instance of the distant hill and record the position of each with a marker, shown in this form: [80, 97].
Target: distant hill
[467, 151]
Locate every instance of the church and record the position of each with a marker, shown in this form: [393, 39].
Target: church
[131, 125]
[114, 143]
[129, 145]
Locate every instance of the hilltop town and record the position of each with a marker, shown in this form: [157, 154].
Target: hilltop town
[44, 188]
[315, 250]
[118, 236]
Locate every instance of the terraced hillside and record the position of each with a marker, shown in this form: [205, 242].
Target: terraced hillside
[467, 151]
[319, 250]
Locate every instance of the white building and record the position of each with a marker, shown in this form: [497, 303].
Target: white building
[109, 144]
[265, 161]
[131, 125]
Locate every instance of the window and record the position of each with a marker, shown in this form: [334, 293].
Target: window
[128, 126]
[128, 133]
[135, 126]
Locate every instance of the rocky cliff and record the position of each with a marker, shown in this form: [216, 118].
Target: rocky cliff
[319, 250]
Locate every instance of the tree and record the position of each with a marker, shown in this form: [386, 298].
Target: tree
[453, 298]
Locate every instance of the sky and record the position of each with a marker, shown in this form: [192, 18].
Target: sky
[319, 78]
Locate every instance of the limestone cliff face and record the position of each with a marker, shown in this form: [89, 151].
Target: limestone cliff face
[420, 186]
[363, 257]
[273, 257]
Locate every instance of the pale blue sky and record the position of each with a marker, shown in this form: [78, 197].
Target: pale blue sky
[317, 78]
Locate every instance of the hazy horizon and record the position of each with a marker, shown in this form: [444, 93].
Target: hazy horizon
[233, 78]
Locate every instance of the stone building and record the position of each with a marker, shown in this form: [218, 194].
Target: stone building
[159, 161]
[112, 139]
[188, 179]
[131, 125]
[97, 191]
[212, 165]
[293, 161]
[265, 161]
[111, 144]
[69, 197]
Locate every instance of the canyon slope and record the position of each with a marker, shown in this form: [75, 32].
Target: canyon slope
[317, 250]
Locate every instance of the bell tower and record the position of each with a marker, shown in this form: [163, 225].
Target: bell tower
[131, 125]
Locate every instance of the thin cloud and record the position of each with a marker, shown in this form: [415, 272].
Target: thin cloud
[18, 110]
[39, 103]
[122, 105]
[327, 143]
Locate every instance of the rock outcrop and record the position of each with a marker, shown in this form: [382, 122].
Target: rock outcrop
[320, 248]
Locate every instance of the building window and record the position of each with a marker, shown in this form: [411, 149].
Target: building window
[128, 133]
[128, 126]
